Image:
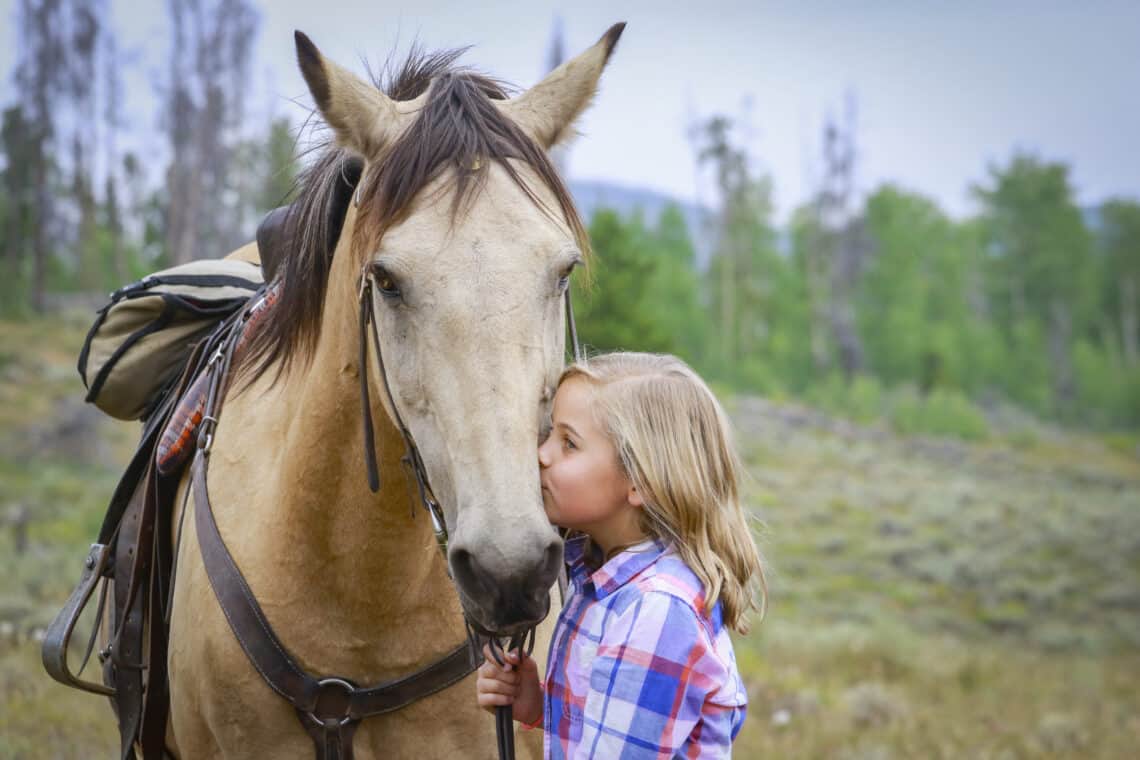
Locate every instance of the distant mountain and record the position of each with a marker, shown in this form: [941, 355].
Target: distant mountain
[590, 195]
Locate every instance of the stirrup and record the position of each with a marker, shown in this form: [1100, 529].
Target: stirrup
[58, 634]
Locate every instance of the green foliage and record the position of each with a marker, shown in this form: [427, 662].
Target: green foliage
[862, 400]
[1110, 390]
[942, 412]
[643, 295]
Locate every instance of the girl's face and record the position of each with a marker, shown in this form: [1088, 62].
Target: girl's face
[583, 486]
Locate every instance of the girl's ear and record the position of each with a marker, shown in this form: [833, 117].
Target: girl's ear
[633, 496]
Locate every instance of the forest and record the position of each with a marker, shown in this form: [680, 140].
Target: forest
[876, 303]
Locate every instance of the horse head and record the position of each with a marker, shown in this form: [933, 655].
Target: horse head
[470, 237]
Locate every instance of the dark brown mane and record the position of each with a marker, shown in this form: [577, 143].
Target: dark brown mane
[458, 129]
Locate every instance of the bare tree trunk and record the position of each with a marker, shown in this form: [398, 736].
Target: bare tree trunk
[1060, 337]
[40, 250]
[842, 254]
[115, 231]
[727, 293]
[1129, 321]
[819, 298]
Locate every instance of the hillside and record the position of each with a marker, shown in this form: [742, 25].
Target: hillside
[929, 597]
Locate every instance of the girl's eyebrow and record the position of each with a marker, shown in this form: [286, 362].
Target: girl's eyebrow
[567, 426]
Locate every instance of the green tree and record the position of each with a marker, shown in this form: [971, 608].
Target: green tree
[1119, 250]
[618, 310]
[673, 286]
[748, 280]
[1041, 277]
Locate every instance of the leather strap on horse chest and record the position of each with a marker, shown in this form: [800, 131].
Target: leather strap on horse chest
[328, 708]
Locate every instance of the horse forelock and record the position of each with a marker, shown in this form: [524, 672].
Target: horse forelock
[458, 129]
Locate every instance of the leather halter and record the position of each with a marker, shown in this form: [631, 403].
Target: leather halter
[331, 708]
[504, 729]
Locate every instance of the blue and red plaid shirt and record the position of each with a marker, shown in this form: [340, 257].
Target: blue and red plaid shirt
[638, 668]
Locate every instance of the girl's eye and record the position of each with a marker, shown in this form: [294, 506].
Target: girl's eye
[567, 443]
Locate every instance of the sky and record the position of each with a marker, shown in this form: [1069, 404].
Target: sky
[943, 89]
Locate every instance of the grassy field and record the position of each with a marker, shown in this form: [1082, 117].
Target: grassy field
[929, 597]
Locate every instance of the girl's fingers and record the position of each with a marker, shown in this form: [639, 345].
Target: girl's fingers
[491, 670]
[490, 658]
[495, 700]
[495, 686]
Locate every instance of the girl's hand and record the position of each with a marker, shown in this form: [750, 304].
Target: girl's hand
[516, 685]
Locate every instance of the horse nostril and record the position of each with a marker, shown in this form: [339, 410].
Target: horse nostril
[465, 570]
[552, 560]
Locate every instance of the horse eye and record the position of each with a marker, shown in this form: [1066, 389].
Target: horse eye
[385, 283]
[564, 278]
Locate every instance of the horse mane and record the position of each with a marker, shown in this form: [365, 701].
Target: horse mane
[458, 129]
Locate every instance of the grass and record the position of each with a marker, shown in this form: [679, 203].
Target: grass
[931, 597]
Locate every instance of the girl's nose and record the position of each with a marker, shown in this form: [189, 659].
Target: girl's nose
[543, 454]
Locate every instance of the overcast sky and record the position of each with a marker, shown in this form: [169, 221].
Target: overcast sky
[942, 87]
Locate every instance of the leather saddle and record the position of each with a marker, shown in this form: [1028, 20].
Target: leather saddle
[132, 563]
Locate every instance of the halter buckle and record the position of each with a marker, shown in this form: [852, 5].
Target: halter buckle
[365, 283]
[438, 524]
[206, 433]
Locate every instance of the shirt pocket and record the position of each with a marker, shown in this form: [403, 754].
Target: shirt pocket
[583, 651]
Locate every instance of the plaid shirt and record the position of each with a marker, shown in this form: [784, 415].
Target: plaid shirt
[636, 668]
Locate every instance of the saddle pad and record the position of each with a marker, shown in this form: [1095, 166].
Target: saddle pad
[176, 443]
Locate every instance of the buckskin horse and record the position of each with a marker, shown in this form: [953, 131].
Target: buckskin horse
[421, 283]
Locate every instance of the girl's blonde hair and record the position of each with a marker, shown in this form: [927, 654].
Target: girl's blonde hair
[674, 443]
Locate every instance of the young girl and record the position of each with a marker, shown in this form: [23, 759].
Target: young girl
[639, 466]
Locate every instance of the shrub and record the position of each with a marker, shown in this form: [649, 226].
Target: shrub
[943, 412]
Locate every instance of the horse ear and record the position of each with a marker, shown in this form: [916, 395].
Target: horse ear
[547, 111]
[364, 119]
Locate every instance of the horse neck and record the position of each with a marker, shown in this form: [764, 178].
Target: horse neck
[369, 559]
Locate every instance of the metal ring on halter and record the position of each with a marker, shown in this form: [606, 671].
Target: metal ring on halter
[322, 689]
[522, 641]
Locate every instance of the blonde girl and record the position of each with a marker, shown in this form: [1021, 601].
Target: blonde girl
[639, 466]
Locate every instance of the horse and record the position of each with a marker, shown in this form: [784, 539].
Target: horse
[469, 236]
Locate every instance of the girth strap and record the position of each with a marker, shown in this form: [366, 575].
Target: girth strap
[329, 708]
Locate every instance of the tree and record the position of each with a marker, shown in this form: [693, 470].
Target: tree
[673, 288]
[620, 310]
[204, 105]
[40, 78]
[1039, 252]
[745, 266]
[1119, 247]
[838, 250]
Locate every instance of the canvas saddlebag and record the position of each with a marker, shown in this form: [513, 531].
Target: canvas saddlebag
[143, 337]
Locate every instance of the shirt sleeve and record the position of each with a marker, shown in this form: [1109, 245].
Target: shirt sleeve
[650, 684]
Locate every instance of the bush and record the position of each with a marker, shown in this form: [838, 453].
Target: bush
[861, 400]
[943, 412]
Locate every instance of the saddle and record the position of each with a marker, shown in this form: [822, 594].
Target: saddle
[132, 562]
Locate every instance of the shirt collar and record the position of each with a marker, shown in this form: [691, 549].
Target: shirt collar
[615, 573]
